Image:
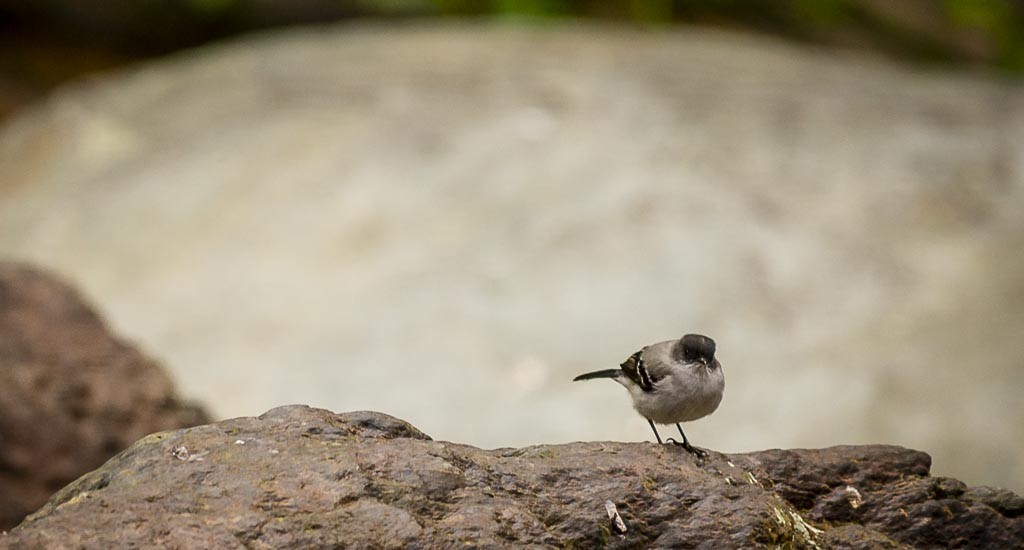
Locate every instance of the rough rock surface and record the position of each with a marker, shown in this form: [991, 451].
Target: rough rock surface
[298, 477]
[71, 394]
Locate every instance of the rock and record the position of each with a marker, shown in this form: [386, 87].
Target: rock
[71, 394]
[304, 477]
[427, 203]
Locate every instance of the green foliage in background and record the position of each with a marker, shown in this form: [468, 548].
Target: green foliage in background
[980, 31]
[1000, 20]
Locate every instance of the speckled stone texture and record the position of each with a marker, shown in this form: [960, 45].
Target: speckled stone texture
[304, 477]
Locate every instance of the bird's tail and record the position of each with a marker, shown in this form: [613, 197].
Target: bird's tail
[609, 373]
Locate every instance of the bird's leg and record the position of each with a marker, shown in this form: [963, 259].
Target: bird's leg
[658, 437]
[686, 444]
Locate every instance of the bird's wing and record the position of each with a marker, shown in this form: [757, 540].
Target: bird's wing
[635, 369]
[658, 360]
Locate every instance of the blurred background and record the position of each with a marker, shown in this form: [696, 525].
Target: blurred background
[444, 210]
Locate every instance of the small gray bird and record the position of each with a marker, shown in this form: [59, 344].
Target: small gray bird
[671, 382]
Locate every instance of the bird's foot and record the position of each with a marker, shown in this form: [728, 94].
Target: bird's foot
[696, 451]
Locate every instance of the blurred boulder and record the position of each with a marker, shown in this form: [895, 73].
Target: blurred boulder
[450, 221]
[299, 477]
[71, 394]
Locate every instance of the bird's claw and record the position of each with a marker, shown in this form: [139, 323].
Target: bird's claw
[700, 453]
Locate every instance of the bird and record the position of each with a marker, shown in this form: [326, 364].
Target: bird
[671, 382]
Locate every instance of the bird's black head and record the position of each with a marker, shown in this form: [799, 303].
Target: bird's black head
[696, 347]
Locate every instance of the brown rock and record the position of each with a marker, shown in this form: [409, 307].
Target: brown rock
[71, 394]
[302, 477]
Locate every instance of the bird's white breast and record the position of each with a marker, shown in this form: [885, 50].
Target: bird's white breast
[693, 391]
